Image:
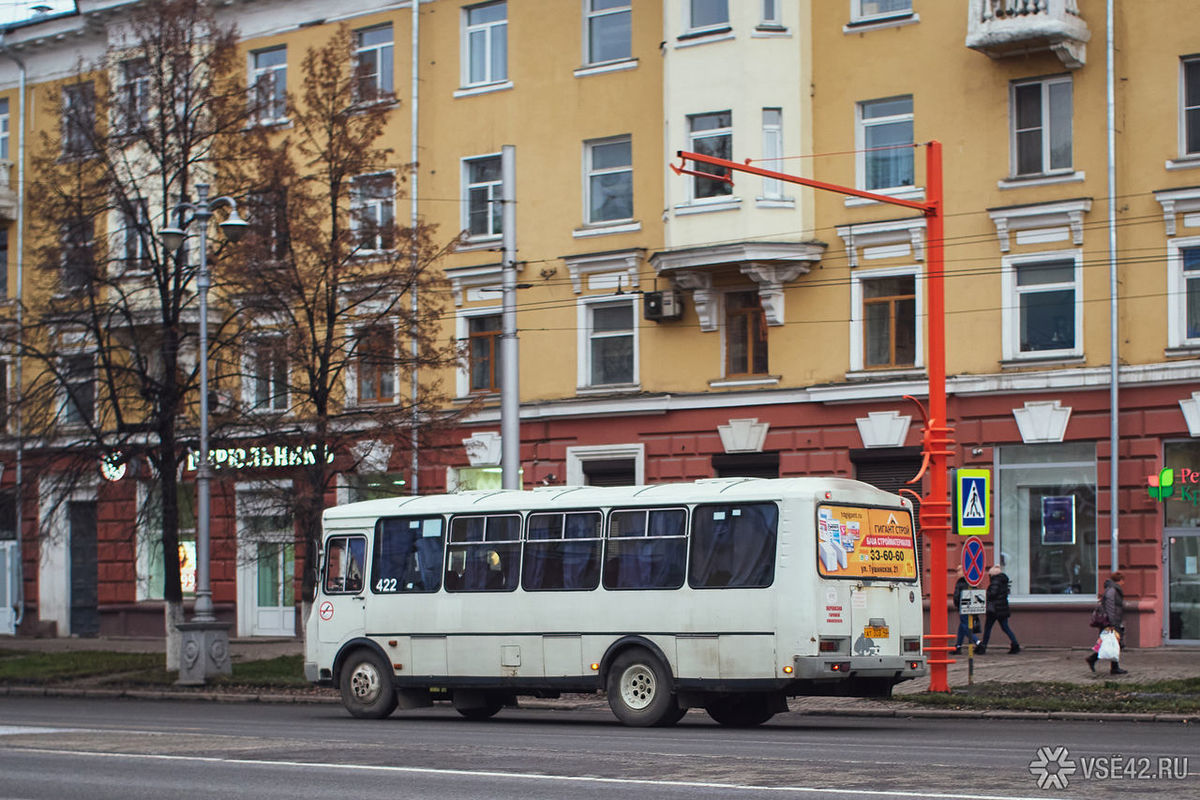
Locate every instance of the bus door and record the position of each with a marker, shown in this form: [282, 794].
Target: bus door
[341, 605]
[873, 548]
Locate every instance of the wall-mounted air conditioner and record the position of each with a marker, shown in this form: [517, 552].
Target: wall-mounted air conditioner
[658, 306]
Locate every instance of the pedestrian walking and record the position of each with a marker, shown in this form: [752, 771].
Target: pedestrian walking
[964, 620]
[1113, 601]
[997, 609]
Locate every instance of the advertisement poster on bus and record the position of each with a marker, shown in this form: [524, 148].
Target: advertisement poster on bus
[871, 543]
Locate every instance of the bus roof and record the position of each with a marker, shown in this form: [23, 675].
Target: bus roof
[566, 497]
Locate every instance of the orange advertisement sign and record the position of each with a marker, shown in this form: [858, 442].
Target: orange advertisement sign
[872, 543]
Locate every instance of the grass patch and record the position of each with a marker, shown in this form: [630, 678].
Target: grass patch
[114, 669]
[282, 672]
[1171, 696]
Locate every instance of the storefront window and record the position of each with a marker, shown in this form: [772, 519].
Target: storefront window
[150, 569]
[375, 486]
[1045, 501]
[1182, 506]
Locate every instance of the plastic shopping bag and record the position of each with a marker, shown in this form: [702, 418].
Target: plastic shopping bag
[1110, 648]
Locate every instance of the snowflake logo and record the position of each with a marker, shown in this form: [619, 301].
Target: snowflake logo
[1052, 767]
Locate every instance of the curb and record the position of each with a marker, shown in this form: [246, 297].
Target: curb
[895, 713]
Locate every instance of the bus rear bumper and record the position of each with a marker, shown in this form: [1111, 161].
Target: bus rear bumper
[825, 668]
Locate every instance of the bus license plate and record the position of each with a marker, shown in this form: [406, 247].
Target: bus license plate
[875, 632]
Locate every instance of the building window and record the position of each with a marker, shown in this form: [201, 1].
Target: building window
[133, 96]
[374, 486]
[375, 357]
[135, 227]
[483, 352]
[771, 16]
[4, 263]
[3, 397]
[609, 30]
[79, 119]
[1190, 100]
[373, 73]
[1041, 126]
[149, 548]
[4, 128]
[711, 135]
[270, 374]
[745, 335]
[1044, 307]
[610, 334]
[705, 15]
[268, 77]
[863, 10]
[609, 167]
[1046, 517]
[373, 210]
[269, 222]
[485, 44]
[889, 314]
[483, 180]
[80, 382]
[78, 254]
[1183, 281]
[772, 155]
[885, 136]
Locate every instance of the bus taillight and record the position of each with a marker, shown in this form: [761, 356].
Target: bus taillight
[912, 645]
[830, 645]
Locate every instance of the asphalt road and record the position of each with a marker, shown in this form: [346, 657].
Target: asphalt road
[68, 748]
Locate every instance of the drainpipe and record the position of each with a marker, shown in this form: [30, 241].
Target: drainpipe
[415, 387]
[18, 386]
[1114, 434]
[510, 395]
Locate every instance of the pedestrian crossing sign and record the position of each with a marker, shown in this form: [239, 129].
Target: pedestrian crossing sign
[972, 500]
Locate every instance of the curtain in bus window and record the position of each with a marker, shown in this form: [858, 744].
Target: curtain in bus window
[562, 551]
[646, 553]
[484, 554]
[733, 546]
[408, 555]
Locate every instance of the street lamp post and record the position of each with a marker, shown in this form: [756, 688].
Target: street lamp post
[204, 646]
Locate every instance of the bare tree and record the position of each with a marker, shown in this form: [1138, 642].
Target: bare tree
[110, 345]
[327, 283]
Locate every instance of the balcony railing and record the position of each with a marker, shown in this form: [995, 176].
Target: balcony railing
[1002, 28]
[8, 197]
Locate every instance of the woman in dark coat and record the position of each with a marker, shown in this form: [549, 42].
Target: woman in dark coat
[997, 609]
[1113, 600]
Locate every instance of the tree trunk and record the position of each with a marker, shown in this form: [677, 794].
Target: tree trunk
[172, 616]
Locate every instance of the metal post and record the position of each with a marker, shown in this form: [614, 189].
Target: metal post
[510, 396]
[203, 609]
[1114, 379]
[415, 383]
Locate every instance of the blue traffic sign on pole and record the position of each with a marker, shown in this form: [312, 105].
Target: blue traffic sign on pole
[973, 560]
[972, 491]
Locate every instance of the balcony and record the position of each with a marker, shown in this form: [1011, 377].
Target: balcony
[8, 196]
[1002, 28]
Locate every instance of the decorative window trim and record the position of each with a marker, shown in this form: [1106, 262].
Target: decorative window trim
[587, 231]
[1011, 312]
[1178, 201]
[1041, 217]
[880, 24]
[857, 277]
[576, 456]
[1042, 422]
[626, 262]
[883, 429]
[867, 240]
[485, 88]
[606, 67]
[467, 283]
[1045, 179]
[744, 435]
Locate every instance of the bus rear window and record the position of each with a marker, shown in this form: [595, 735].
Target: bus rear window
[873, 543]
[733, 546]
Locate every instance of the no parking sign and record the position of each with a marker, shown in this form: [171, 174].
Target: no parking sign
[973, 560]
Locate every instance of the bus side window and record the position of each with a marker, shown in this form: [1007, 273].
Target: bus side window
[733, 546]
[344, 559]
[562, 551]
[484, 554]
[408, 555]
[646, 549]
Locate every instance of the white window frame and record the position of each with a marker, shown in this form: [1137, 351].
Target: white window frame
[1177, 293]
[589, 172]
[135, 233]
[383, 56]
[590, 15]
[79, 124]
[772, 154]
[1044, 126]
[381, 209]
[708, 133]
[862, 124]
[495, 191]
[277, 401]
[1184, 108]
[247, 553]
[462, 334]
[488, 32]
[770, 14]
[576, 456]
[585, 310]
[857, 323]
[133, 96]
[858, 15]
[694, 29]
[66, 414]
[4, 128]
[1010, 293]
[275, 77]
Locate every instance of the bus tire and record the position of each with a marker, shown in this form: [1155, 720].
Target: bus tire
[491, 706]
[639, 691]
[367, 690]
[740, 710]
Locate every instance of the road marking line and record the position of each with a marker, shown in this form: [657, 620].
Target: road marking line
[538, 776]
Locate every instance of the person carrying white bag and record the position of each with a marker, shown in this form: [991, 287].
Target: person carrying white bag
[1109, 647]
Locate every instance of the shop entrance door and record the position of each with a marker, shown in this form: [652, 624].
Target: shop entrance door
[1183, 586]
[275, 611]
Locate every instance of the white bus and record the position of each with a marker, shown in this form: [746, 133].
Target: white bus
[729, 594]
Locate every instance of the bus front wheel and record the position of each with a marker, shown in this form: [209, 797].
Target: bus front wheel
[740, 710]
[367, 690]
[639, 691]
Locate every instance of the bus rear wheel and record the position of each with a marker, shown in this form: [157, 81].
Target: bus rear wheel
[367, 690]
[639, 691]
[740, 710]
[478, 711]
